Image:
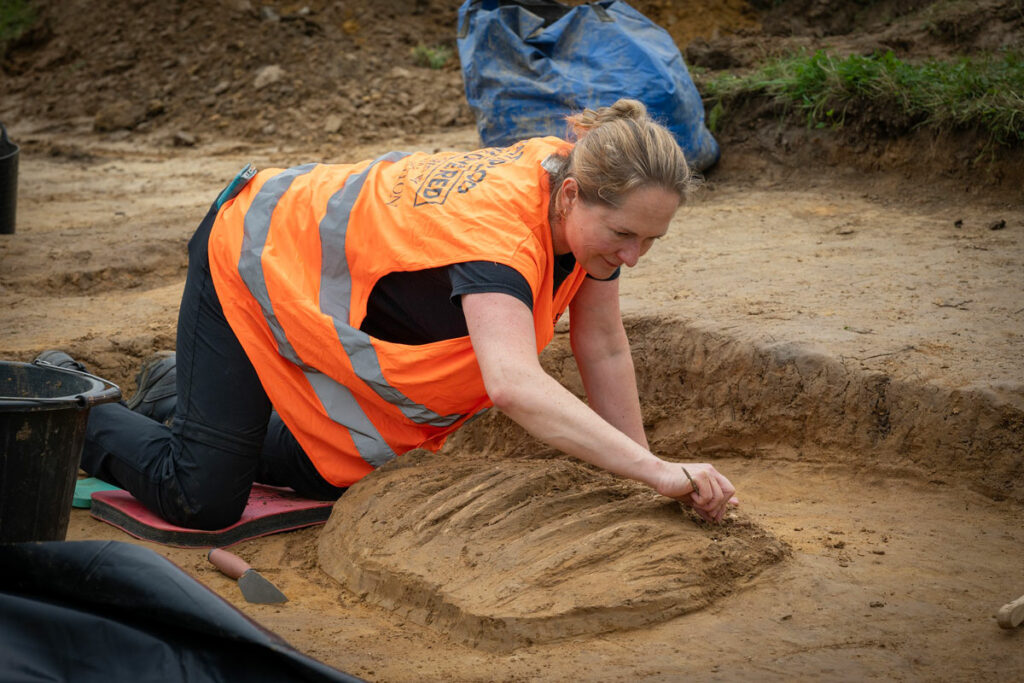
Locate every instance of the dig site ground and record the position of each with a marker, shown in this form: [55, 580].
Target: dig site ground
[836, 321]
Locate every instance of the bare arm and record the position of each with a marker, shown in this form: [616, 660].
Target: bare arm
[501, 329]
[602, 353]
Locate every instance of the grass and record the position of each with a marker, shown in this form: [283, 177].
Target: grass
[984, 92]
[434, 57]
[16, 16]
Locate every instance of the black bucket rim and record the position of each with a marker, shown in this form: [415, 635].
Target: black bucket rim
[4, 140]
[99, 391]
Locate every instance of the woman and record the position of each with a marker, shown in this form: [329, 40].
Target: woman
[335, 316]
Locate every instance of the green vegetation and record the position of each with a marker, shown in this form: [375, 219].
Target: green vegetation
[987, 93]
[16, 16]
[434, 57]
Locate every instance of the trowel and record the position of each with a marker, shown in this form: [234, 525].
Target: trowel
[255, 588]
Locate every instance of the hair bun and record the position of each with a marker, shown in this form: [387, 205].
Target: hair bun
[620, 148]
[626, 109]
[623, 109]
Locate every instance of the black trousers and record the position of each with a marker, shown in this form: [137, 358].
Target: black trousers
[198, 472]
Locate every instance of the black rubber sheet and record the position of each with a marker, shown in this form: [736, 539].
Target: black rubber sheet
[111, 611]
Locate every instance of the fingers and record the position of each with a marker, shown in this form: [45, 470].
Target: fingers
[701, 487]
[713, 500]
[712, 518]
[719, 511]
[727, 491]
[716, 488]
[709, 494]
[704, 493]
[714, 494]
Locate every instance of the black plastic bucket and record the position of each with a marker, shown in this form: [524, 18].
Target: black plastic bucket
[43, 409]
[8, 183]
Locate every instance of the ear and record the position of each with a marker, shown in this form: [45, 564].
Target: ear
[570, 192]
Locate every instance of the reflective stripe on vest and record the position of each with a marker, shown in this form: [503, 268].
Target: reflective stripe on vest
[335, 292]
[254, 239]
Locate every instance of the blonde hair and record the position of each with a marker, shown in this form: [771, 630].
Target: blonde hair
[619, 149]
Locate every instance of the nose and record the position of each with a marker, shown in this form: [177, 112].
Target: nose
[630, 253]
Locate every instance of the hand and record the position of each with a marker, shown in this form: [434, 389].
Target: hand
[714, 492]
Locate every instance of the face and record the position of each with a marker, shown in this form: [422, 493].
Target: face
[603, 237]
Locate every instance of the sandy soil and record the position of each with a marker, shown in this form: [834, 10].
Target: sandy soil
[770, 329]
[841, 332]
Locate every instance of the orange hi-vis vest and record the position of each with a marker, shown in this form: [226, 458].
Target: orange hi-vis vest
[295, 254]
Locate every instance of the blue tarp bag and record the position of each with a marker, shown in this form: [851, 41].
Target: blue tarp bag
[529, 63]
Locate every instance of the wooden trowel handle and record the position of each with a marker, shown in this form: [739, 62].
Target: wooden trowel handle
[228, 563]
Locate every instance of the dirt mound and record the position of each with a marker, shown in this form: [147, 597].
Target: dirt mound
[329, 75]
[267, 72]
[504, 555]
[337, 72]
[332, 74]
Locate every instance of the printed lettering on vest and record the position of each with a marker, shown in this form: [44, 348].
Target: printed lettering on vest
[398, 188]
[435, 178]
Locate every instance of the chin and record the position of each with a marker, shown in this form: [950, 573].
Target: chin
[600, 270]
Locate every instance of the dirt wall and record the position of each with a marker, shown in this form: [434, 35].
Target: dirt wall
[713, 395]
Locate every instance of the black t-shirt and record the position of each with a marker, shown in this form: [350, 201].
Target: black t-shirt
[424, 306]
